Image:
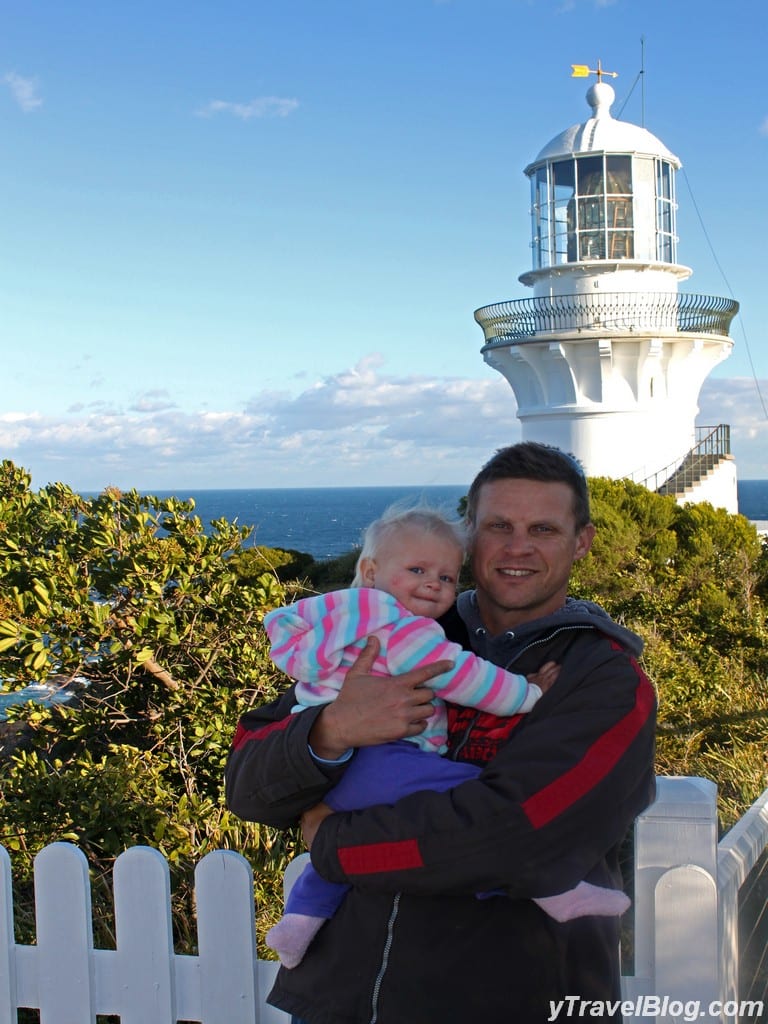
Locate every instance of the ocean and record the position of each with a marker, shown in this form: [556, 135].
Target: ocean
[322, 521]
[328, 521]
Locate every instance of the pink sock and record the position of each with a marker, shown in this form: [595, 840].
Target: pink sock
[291, 936]
[584, 900]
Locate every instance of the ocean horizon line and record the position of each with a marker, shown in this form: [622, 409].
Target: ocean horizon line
[329, 521]
[309, 487]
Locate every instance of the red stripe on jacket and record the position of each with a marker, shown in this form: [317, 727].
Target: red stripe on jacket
[243, 735]
[597, 762]
[371, 858]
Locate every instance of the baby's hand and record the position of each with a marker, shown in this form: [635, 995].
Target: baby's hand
[546, 675]
[311, 820]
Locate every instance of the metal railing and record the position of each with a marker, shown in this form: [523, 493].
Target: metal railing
[525, 319]
[713, 444]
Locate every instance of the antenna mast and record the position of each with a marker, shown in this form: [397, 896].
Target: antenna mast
[642, 81]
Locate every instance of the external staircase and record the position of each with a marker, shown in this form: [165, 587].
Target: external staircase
[681, 478]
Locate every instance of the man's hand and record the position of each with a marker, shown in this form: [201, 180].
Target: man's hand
[310, 822]
[374, 709]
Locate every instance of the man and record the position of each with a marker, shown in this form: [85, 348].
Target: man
[412, 944]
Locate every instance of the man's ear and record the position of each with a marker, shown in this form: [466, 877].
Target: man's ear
[584, 541]
[367, 570]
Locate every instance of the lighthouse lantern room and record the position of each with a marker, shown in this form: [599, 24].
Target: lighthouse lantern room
[607, 358]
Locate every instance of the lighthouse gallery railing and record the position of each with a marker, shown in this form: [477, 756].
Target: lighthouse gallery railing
[520, 320]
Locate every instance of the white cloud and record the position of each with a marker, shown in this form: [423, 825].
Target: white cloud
[741, 403]
[360, 426]
[263, 106]
[24, 91]
[153, 401]
[764, 126]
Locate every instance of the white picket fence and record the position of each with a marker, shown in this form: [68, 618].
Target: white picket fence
[142, 980]
[686, 943]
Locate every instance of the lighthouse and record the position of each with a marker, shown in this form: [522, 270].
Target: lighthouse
[607, 357]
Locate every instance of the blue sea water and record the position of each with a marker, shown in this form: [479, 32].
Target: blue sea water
[40, 693]
[322, 521]
[328, 521]
[753, 499]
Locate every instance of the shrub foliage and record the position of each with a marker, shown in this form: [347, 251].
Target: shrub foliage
[130, 594]
[691, 580]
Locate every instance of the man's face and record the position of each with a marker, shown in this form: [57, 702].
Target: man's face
[523, 545]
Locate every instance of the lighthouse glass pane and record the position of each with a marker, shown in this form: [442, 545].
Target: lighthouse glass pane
[540, 214]
[590, 208]
[620, 241]
[664, 180]
[666, 239]
[590, 174]
[563, 179]
[563, 189]
[618, 175]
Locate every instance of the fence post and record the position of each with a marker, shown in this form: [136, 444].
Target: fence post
[7, 943]
[64, 950]
[144, 934]
[226, 935]
[676, 922]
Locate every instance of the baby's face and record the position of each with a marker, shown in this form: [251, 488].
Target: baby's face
[420, 569]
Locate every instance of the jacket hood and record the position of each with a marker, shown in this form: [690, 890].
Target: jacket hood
[574, 613]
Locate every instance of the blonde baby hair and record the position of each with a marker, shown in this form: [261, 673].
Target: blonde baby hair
[401, 517]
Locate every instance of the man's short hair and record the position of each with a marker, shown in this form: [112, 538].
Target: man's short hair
[532, 460]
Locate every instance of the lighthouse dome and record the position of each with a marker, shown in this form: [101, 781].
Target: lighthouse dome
[602, 133]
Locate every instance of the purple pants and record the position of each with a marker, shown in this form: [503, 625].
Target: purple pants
[377, 775]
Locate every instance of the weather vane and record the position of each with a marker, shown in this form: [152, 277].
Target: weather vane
[583, 71]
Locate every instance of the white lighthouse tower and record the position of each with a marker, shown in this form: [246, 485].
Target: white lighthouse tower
[607, 358]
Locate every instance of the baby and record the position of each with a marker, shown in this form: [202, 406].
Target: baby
[406, 578]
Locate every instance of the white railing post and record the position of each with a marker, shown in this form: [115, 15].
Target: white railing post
[676, 923]
[738, 853]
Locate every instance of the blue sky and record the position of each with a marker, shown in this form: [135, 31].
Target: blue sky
[241, 243]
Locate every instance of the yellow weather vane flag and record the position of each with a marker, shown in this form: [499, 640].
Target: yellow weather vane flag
[584, 70]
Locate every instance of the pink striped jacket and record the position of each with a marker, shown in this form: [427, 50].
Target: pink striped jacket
[316, 639]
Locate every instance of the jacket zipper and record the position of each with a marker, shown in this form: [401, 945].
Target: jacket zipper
[453, 756]
[384, 959]
[544, 640]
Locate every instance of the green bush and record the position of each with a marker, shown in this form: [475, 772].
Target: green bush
[164, 622]
[251, 563]
[691, 581]
[129, 593]
[333, 573]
